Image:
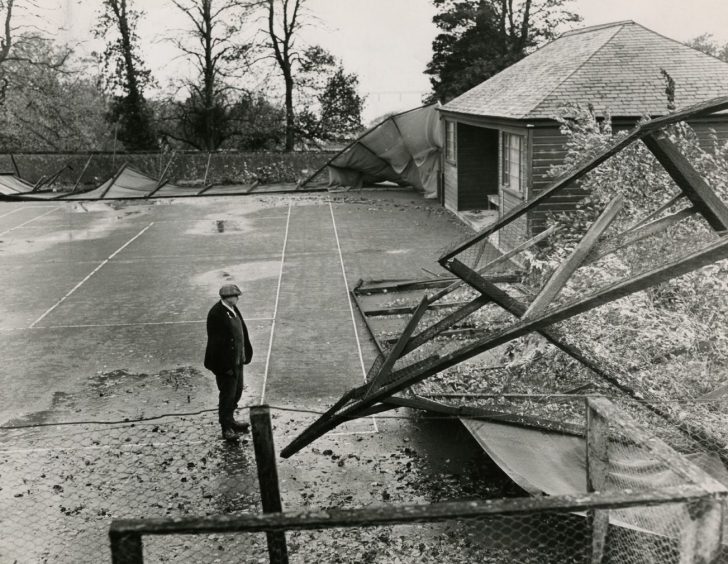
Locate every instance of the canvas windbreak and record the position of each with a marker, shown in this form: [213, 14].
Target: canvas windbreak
[404, 149]
[11, 184]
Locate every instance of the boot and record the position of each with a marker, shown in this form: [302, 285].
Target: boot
[241, 427]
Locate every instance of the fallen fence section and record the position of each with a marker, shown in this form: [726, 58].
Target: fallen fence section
[427, 345]
[640, 501]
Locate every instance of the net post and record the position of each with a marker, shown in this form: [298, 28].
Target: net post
[700, 538]
[126, 547]
[597, 458]
[268, 478]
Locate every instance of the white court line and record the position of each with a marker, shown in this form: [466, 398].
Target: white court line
[275, 307]
[94, 271]
[351, 307]
[141, 323]
[29, 221]
[15, 210]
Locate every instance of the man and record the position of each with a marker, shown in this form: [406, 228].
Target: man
[228, 349]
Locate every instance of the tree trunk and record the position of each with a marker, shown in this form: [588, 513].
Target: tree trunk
[289, 113]
[208, 103]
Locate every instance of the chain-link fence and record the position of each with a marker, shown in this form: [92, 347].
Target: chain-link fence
[650, 505]
[62, 484]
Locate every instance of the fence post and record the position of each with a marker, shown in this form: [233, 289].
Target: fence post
[597, 459]
[126, 548]
[700, 538]
[270, 496]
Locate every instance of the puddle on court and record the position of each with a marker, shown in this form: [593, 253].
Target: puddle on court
[236, 225]
[238, 274]
[33, 241]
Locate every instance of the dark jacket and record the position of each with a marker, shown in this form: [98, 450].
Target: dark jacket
[220, 351]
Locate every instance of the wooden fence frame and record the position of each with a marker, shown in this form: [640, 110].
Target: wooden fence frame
[700, 541]
[126, 534]
[542, 312]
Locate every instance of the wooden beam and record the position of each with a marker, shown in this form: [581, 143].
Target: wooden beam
[530, 397]
[456, 332]
[88, 162]
[631, 236]
[207, 169]
[15, 166]
[369, 327]
[472, 412]
[601, 366]
[498, 261]
[408, 285]
[113, 179]
[533, 241]
[163, 177]
[707, 255]
[205, 188]
[597, 469]
[445, 323]
[331, 420]
[586, 166]
[417, 372]
[252, 187]
[562, 274]
[708, 204]
[671, 202]
[401, 514]
[270, 496]
[395, 353]
[404, 310]
[126, 547]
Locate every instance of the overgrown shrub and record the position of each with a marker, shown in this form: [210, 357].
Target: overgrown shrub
[673, 337]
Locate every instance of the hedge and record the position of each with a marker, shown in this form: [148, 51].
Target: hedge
[186, 167]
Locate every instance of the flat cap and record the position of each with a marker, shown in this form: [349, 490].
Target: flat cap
[229, 290]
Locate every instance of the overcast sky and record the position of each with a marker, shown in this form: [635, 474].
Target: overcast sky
[388, 42]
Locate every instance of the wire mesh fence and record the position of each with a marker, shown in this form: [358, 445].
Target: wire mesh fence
[651, 505]
[63, 485]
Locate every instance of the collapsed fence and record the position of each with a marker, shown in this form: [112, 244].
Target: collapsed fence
[154, 491]
[646, 497]
[224, 167]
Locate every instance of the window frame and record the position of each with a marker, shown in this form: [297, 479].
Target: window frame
[507, 161]
[451, 142]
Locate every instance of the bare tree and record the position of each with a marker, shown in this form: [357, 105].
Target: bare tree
[214, 47]
[126, 73]
[14, 36]
[282, 29]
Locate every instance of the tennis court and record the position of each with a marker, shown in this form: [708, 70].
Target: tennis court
[103, 320]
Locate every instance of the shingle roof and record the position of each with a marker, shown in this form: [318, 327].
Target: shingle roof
[615, 67]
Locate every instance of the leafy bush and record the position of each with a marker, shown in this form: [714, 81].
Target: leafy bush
[672, 338]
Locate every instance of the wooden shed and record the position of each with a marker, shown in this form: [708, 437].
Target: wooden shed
[501, 137]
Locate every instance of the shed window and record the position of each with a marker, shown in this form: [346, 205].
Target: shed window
[450, 141]
[512, 161]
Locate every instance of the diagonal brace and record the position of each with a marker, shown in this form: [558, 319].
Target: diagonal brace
[562, 274]
[689, 180]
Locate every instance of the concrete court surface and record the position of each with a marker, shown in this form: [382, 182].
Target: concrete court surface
[103, 315]
[96, 287]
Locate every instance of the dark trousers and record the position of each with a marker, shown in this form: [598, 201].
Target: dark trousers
[230, 386]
